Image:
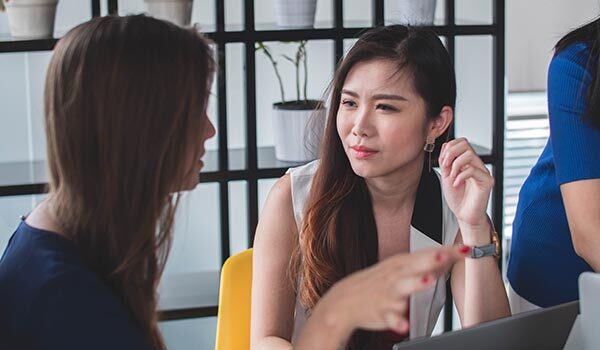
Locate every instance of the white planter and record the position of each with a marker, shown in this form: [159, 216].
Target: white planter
[31, 19]
[176, 11]
[414, 12]
[295, 13]
[297, 133]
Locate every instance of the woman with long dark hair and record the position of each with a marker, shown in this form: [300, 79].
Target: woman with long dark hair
[373, 195]
[555, 231]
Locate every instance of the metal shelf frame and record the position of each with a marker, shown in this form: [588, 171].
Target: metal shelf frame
[252, 172]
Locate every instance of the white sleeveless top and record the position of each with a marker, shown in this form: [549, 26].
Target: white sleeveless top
[433, 225]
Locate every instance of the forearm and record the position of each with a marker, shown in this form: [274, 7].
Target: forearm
[582, 206]
[485, 296]
[324, 329]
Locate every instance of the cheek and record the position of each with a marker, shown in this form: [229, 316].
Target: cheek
[407, 140]
[342, 126]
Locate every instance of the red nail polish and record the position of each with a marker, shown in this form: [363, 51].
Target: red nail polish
[438, 256]
[465, 249]
[425, 279]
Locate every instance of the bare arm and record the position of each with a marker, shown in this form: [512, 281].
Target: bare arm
[273, 300]
[582, 204]
[477, 287]
[476, 283]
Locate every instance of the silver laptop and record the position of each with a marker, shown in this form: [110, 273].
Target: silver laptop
[589, 297]
[538, 329]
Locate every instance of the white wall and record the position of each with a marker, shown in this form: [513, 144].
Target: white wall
[533, 27]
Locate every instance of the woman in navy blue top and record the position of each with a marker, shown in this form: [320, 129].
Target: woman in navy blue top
[556, 228]
[125, 114]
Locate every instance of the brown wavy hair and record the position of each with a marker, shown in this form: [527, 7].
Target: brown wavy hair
[338, 234]
[125, 101]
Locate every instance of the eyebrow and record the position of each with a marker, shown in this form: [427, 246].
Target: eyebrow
[377, 97]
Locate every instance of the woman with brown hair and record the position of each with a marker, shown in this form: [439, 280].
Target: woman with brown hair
[125, 115]
[371, 196]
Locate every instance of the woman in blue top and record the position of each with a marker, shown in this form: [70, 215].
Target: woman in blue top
[125, 116]
[556, 228]
[125, 113]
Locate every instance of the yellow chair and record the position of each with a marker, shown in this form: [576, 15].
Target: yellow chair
[233, 322]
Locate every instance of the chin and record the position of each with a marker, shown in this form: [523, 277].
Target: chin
[365, 169]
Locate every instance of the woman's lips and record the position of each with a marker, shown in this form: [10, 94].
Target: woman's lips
[362, 152]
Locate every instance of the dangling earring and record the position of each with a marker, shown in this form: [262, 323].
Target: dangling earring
[429, 147]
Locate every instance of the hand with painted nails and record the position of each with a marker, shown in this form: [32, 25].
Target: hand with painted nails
[377, 298]
[467, 185]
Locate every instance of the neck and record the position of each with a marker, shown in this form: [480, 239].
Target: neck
[43, 217]
[396, 191]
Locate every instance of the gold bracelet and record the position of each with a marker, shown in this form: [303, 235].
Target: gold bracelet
[495, 238]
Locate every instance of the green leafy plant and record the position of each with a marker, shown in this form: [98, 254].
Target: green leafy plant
[299, 61]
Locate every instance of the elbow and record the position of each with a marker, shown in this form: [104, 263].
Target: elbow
[584, 244]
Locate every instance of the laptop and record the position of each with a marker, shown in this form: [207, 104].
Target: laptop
[538, 329]
[589, 297]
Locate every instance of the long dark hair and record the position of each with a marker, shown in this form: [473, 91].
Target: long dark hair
[125, 99]
[588, 34]
[338, 234]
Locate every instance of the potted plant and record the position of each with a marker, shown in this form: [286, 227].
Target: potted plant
[176, 11]
[30, 19]
[295, 13]
[415, 12]
[297, 124]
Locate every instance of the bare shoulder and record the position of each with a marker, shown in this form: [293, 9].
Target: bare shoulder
[282, 189]
[277, 223]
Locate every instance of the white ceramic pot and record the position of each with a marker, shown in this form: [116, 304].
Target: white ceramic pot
[31, 19]
[176, 11]
[415, 12]
[297, 133]
[295, 13]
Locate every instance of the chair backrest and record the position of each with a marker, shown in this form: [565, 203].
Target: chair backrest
[233, 323]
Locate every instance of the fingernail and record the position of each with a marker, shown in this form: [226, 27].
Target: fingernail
[404, 326]
[439, 256]
[401, 328]
[465, 249]
[426, 279]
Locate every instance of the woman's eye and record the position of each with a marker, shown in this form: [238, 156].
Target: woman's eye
[387, 108]
[348, 103]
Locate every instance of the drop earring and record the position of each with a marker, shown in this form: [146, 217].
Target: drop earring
[429, 147]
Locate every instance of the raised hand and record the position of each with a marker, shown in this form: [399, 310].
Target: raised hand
[467, 184]
[377, 298]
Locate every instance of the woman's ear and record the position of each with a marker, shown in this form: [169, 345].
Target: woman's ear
[439, 124]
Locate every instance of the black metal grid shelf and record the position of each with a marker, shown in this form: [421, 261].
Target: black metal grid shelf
[26, 178]
[254, 163]
[225, 37]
